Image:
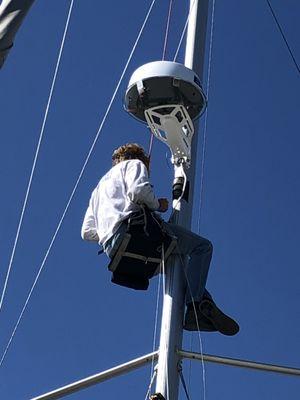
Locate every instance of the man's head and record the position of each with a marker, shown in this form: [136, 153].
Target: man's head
[130, 151]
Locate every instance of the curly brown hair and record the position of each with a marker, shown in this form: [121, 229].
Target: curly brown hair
[130, 151]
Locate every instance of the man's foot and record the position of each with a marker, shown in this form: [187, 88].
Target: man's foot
[210, 318]
[191, 323]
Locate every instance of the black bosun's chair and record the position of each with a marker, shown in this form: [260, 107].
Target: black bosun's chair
[139, 255]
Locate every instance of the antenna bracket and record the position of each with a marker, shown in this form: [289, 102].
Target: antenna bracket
[172, 125]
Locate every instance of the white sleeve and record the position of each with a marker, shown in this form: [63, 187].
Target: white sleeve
[139, 189]
[88, 229]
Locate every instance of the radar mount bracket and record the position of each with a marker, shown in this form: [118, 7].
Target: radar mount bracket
[172, 125]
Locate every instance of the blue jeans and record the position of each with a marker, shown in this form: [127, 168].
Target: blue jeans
[197, 251]
[191, 247]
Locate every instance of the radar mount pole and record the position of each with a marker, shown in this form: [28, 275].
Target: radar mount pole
[167, 381]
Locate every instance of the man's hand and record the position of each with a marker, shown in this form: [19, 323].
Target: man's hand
[163, 205]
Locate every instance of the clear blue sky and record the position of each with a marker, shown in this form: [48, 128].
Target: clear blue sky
[78, 323]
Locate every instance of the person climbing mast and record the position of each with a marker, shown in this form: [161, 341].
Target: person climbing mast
[122, 192]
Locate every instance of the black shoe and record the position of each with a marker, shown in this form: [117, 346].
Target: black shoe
[191, 323]
[209, 319]
[221, 322]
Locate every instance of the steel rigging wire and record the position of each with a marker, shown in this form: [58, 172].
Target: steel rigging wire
[164, 291]
[68, 204]
[202, 170]
[152, 369]
[78, 180]
[184, 31]
[36, 154]
[167, 30]
[197, 323]
[283, 35]
[206, 116]
[207, 95]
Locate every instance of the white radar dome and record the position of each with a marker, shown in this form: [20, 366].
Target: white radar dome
[162, 83]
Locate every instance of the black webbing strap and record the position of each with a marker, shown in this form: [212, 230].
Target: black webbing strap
[183, 383]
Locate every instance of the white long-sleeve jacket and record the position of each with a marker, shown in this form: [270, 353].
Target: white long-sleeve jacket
[117, 195]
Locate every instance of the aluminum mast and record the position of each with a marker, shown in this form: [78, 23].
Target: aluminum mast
[167, 382]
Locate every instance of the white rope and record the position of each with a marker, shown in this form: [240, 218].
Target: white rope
[150, 385]
[190, 361]
[202, 173]
[77, 182]
[164, 291]
[198, 328]
[206, 116]
[36, 155]
[183, 32]
[155, 326]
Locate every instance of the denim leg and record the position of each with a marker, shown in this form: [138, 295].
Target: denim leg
[199, 252]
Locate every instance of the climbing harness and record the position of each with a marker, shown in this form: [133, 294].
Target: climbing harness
[139, 254]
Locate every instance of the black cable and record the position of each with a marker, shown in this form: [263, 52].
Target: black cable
[283, 35]
[184, 384]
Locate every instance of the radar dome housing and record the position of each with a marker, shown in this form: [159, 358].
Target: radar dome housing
[164, 83]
